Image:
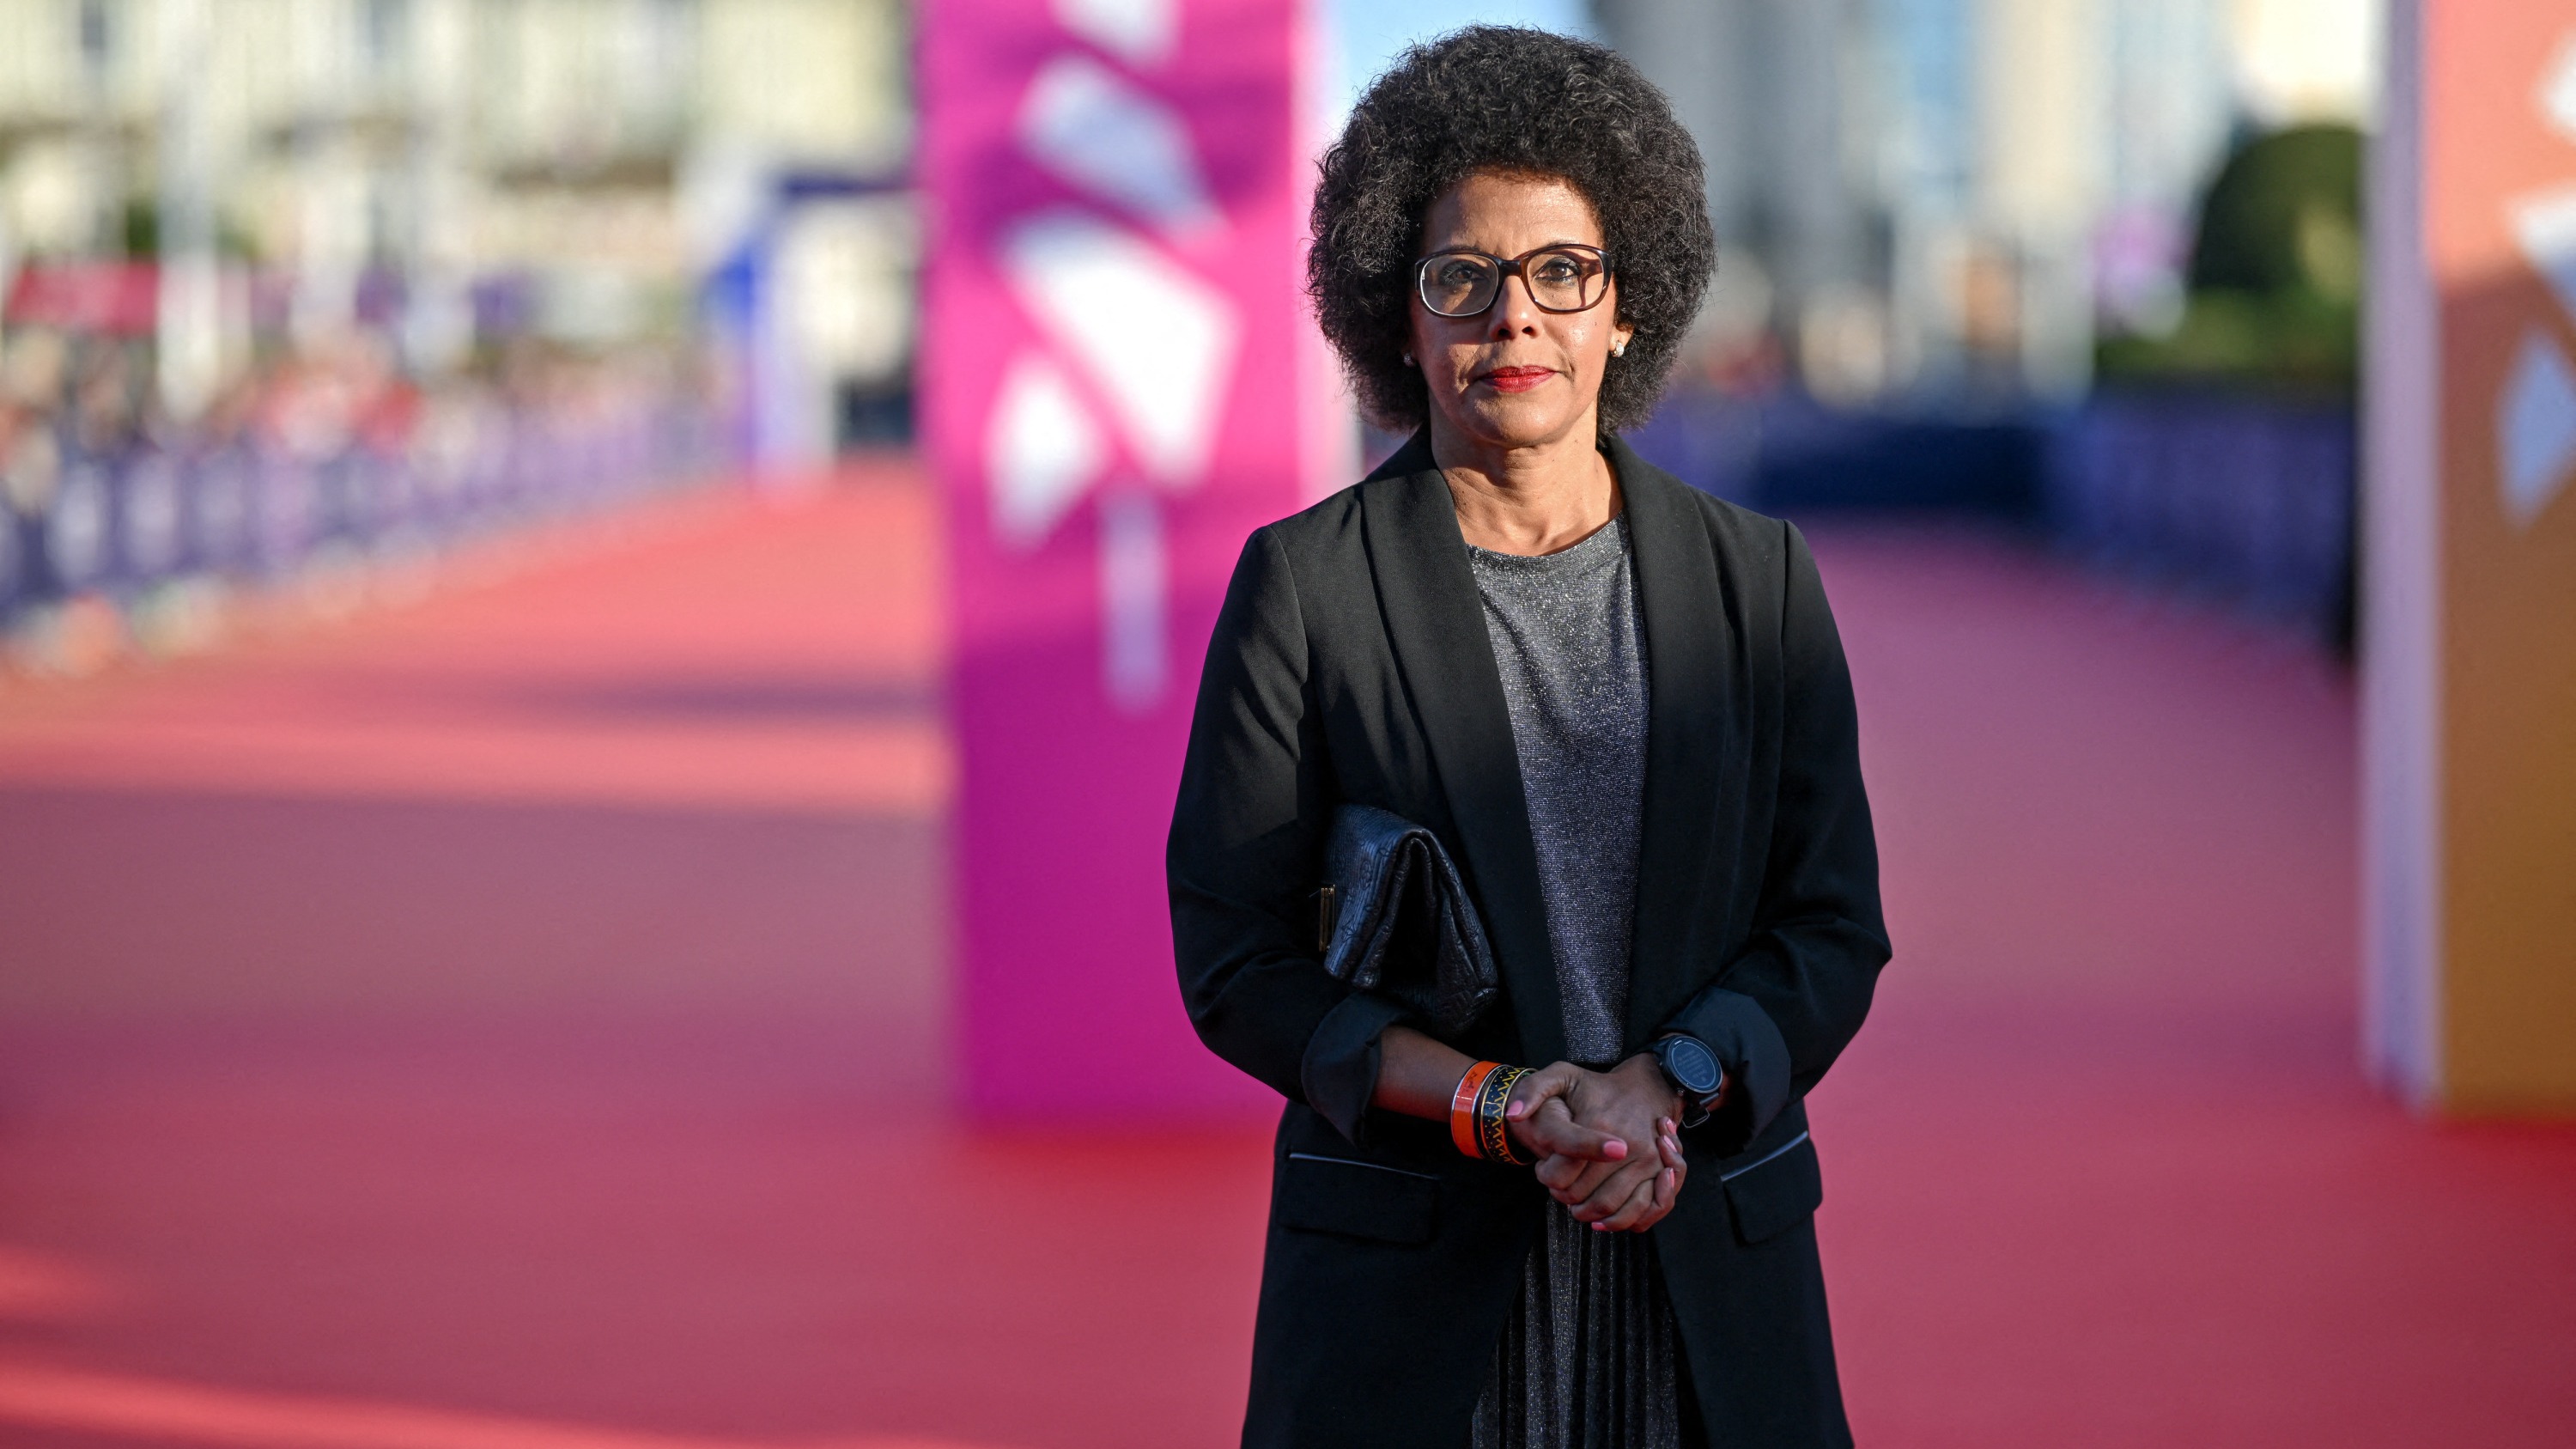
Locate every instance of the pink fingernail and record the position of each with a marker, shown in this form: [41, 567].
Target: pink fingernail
[1515, 1110]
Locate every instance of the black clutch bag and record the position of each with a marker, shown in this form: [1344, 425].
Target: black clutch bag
[1393, 916]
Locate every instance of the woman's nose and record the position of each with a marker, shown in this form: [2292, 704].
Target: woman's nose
[1513, 311]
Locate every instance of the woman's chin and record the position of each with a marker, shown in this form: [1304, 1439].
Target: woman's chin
[1508, 420]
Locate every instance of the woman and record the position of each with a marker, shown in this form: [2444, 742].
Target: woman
[1621, 707]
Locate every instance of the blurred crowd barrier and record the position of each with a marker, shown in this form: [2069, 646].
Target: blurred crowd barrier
[320, 470]
[2246, 501]
[2243, 502]
[1785, 452]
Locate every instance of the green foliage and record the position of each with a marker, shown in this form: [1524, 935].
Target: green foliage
[2275, 276]
[2285, 215]
[139, 230]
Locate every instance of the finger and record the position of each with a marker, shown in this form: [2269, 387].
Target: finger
[1668, 1189]
[1615, 1188]
[1550, 1130]
[1651, 1206]
[1622, 1182]
[1540, 1087]
[1588, 1183]
[1558, 1171]
[1669, 1193]
[1649, 1203]
[1638, 1203]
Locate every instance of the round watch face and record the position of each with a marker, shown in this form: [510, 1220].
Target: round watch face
[1692, 1064]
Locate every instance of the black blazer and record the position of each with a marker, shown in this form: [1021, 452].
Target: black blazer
[1350, 662]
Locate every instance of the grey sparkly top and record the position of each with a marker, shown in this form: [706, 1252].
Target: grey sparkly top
[1570, 644]
[1587, 1358]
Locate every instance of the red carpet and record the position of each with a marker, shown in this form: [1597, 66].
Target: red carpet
[515, 1022]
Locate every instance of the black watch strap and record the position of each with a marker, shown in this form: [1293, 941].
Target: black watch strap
[1696, 1110]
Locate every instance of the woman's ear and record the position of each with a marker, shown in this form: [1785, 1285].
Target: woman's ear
[1619, 336]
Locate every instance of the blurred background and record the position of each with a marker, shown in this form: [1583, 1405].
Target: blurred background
[296, 287]
[476, 788]
[304, 284]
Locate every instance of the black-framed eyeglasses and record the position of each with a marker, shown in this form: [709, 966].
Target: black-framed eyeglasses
[1463, 282]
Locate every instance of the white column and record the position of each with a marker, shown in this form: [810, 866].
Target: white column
[2401, 622]
[191, 317]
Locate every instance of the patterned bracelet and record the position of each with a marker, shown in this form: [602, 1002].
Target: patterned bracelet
[1493, 1131]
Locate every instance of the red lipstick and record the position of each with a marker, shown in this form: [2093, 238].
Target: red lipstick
[1516, 379]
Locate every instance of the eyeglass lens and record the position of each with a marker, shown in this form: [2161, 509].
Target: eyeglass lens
[1462, 284]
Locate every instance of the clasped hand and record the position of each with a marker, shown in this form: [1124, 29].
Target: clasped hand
[1607, 1144]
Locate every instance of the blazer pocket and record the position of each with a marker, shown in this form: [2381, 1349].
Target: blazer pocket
[1775, 1192]
[1356, 1199]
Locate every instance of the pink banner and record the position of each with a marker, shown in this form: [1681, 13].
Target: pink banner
[1113, 398]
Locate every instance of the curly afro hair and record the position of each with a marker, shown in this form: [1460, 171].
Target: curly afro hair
[1501, 98]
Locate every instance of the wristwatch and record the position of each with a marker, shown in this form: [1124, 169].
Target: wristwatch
[1693, 1070]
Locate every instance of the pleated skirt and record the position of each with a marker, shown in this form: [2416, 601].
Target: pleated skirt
[1586, 1360]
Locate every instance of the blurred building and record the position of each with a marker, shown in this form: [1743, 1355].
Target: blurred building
[295, 294]
[456, 174]
[1945, 201]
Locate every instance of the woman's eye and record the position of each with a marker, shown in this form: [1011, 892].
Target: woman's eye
[1560, 270]
[1459, 274]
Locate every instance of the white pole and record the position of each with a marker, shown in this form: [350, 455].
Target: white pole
[190, 321]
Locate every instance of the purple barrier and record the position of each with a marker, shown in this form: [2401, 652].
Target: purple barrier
[2248, 501]
[120, 520]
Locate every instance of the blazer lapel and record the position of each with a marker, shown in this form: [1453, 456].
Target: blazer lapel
[1694, 740]
[1436, 622]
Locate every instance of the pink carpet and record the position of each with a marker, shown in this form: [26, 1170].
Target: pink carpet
[515, 1021]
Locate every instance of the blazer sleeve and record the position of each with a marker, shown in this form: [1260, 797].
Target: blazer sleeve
[1785, 1007]
[1241, 860]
